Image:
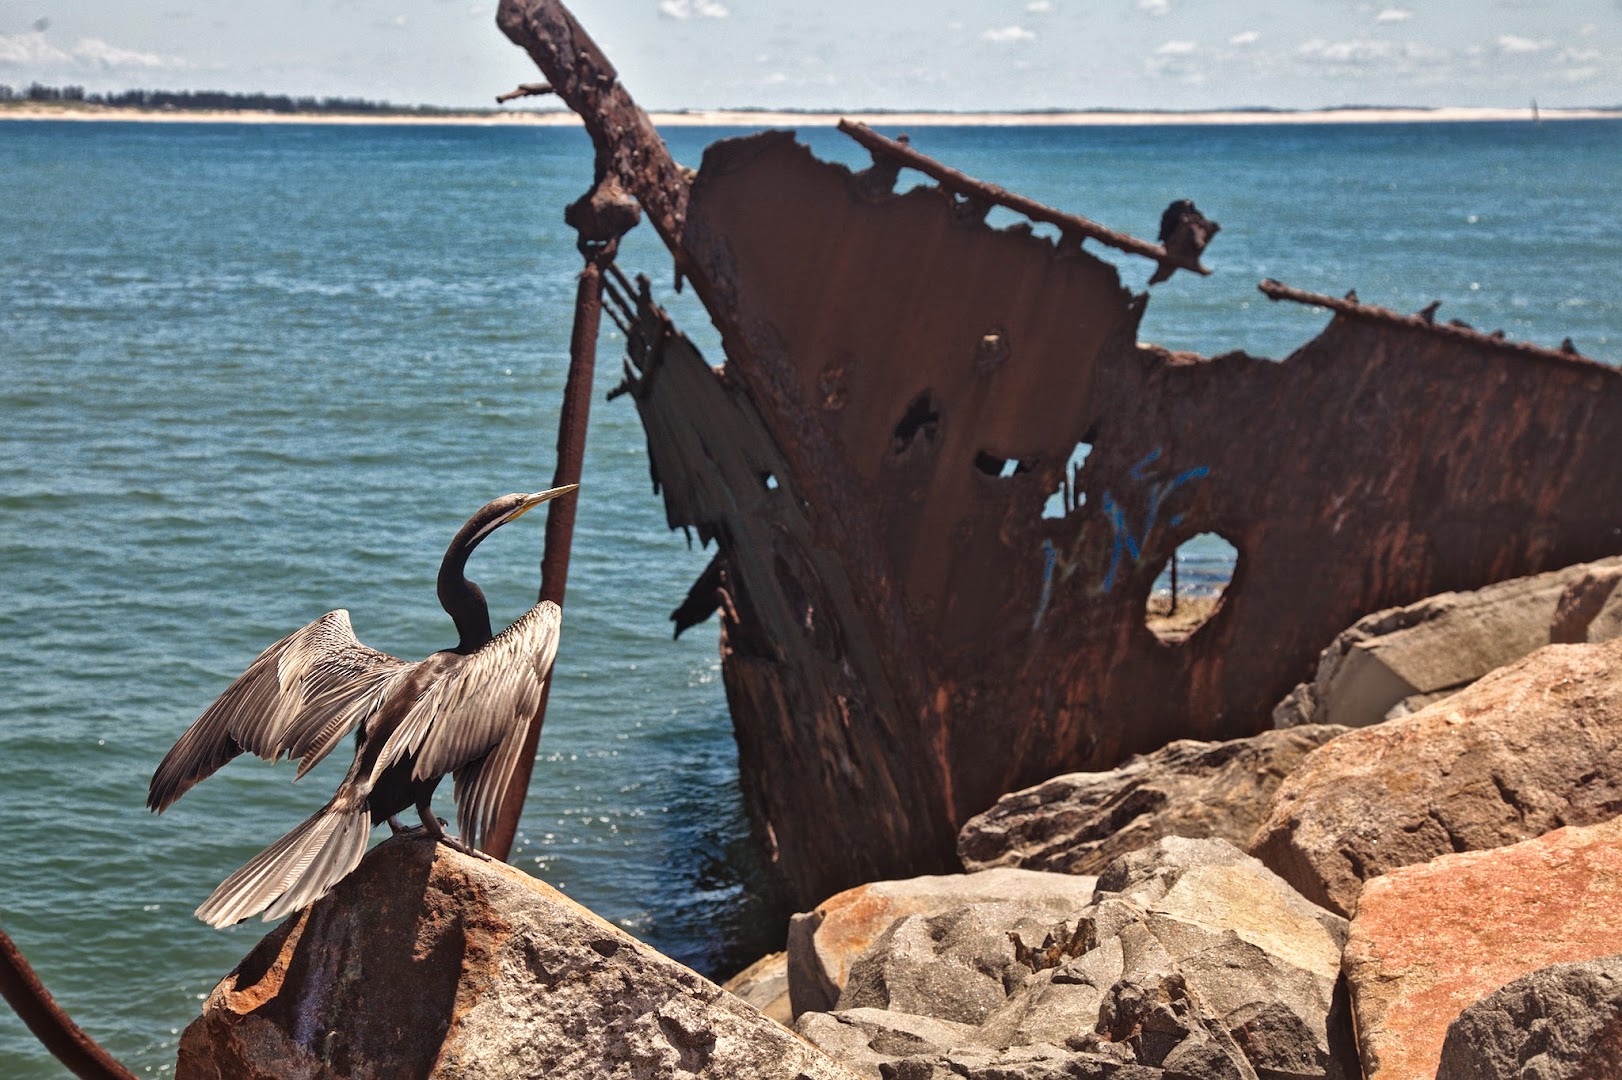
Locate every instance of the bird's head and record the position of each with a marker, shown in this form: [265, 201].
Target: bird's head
[498, 512]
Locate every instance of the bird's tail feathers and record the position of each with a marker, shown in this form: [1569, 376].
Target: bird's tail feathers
[295, 871]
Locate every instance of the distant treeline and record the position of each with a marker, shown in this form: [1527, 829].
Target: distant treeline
[210, 100]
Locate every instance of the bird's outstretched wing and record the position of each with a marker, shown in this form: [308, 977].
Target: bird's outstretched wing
[473, 721]
[300, 697]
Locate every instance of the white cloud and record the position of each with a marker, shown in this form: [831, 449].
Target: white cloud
[1409, 61]
[1509, 43]
[1356, 52]
[1390, 15]
[87, 53]
[1178, 60]
[1245, 37]
[29, 49]
[1154, 7]
[1007, 35]
[1039, 7]
[97, 53]
[693, 9]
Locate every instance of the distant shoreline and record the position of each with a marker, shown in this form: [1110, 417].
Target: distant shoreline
[780, 119]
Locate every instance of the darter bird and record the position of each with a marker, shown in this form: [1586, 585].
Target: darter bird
[464, 710]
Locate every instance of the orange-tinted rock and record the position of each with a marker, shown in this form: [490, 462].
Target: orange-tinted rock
[1430, 941]
[428, 963]
[1529, 748]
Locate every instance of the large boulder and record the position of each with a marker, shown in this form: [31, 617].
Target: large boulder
[1562, 1022]
[1590, 609]
[951, 966]
[1529, 748]
[1192, 961]
[1398, 660]
[1430, 941]
[764, 984]
[428, 963]
[825, 942]
[1080, 822]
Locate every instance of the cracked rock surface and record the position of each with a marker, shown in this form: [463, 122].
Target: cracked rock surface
[1529, 748]
[1431, 941]
[1191, 961]
[1077, 823]
[1562, 1022]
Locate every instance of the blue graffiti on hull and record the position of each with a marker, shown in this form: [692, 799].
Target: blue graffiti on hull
[1126, 543]
[1050, 558]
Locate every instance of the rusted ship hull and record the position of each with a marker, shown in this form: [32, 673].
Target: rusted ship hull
[905, 636]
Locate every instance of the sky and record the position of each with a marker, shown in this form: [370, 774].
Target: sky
[853, 54]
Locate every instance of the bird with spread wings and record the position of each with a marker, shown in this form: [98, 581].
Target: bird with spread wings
[464, 711]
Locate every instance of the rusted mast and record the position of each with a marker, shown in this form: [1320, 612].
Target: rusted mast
[81, 1054]
[601, 217]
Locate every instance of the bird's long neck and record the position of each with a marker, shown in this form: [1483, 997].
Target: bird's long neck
[462, 600]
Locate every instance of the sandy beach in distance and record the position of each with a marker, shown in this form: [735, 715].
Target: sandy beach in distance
[754, 119]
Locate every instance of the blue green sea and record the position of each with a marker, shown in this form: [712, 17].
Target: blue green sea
[252, 373]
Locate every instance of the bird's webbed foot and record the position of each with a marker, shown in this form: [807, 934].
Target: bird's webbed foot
[435, 827]
[397, 828]
[456, 845]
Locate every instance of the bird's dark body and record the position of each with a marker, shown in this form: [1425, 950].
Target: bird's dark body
[394, 791]
[463, 711]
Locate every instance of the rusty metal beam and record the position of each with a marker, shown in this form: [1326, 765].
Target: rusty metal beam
[78, 1052]
[962, 184]
[1425, 323]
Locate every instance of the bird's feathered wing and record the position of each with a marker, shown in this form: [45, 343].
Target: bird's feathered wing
[296, 870]
[300, 697]
[473, 721]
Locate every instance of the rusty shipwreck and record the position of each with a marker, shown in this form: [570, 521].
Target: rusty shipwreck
[904, 635]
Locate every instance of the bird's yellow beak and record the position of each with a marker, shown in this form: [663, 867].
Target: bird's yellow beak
[534, 499]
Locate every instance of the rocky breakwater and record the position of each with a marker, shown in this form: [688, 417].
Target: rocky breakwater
[1475, 844]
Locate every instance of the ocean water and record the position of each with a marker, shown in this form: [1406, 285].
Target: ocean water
[253, 373]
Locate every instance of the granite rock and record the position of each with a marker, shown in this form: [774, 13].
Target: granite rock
[764, 984]
[1077, 823]
[1193, 961]
[1528, 748]
[1400, 659]
[824, 943]
[1590, 609]
[428, 963]
[1430, 941]
[950, 966]
[1562, 1022]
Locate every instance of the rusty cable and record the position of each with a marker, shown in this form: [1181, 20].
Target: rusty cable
[82, 1055]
